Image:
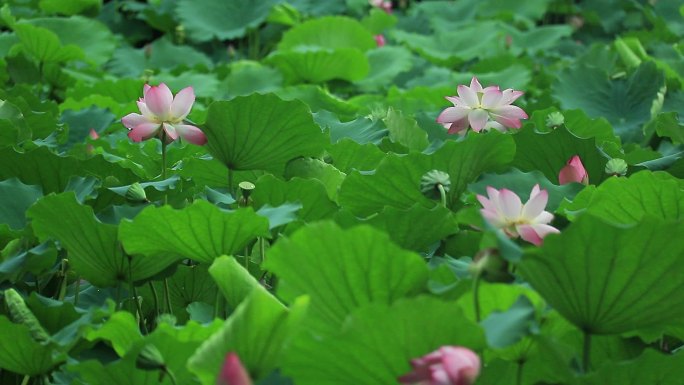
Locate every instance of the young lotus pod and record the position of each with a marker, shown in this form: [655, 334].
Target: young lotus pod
[616, 167]
[21, 314]
[431, 182]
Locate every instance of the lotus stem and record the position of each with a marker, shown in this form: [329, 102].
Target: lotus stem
[586, 352]
[442, 194]
[476, 297]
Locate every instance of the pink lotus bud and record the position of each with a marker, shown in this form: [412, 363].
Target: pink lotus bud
[93, 134]
[379, 40]
[573, 172]
[448, 365]
[232, 372]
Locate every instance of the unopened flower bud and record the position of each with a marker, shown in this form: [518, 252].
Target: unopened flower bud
[431, 182]
[617, 167]
[555, 119]
[136, 193]
[150, 358]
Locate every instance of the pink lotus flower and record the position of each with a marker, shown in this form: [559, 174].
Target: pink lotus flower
[160, 110]
[482, 109]
[448, 365]
[379, 40]
[232, 372]
[573, 172]
[504, 210]
[385, 5]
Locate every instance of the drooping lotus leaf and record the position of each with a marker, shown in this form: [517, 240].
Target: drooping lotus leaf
[628, 200]
[328, 32]
[626, 103]
[378, 341]
[205, 20]
[20, 353]
[261, 132]
[256, 331]
[396, 180]
[93, 248]
[318, 65]
[610, 279]
[15, 199]
[343, 269]
[201, 231]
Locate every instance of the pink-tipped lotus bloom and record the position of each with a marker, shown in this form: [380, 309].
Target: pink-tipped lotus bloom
[162, 111]
[385, 5]
[482, 109]
[232, 372]
[504, 210]
[573, 172]
[448, 365]
[379, 40]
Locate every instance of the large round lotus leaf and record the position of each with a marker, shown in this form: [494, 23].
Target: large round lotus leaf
[201, 231]
[205, 20]
[321, 64]
[94, 39]
[328, 32]
[626, 103]
[261, 132]
[378, 341]
[628, 200]
[611, 279]
[550, 152]
[92, 247]
[344, 269]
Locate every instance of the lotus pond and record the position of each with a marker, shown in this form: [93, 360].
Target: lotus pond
[302, 192]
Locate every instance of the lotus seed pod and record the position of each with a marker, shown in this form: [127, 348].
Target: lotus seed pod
[430, 182]
[555, 119]
[617, 167]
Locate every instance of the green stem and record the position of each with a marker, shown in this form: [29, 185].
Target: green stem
[26, 379]
[262, 249]
[77, 290]
[230, 183]
[163, 163]
[586, 351]
[155, 298]
[171, 376]
[63, 285]
[476, 297]
[519, 373]
[118, 295]
[442, 194]
[167, 296]
[135, 296]
[247, 258]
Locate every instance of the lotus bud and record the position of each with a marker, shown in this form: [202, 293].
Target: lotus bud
[448, 365]
[616, 167]
[136, 193]
[573, 172]
[233, 372]
[150, 358]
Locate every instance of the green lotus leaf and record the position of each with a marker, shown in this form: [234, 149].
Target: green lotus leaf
[261, 132]
[597, 274]
[328, 32]
[343, 269]
[366, 354]
[396, 181]
[205, 20]
[201, 231]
